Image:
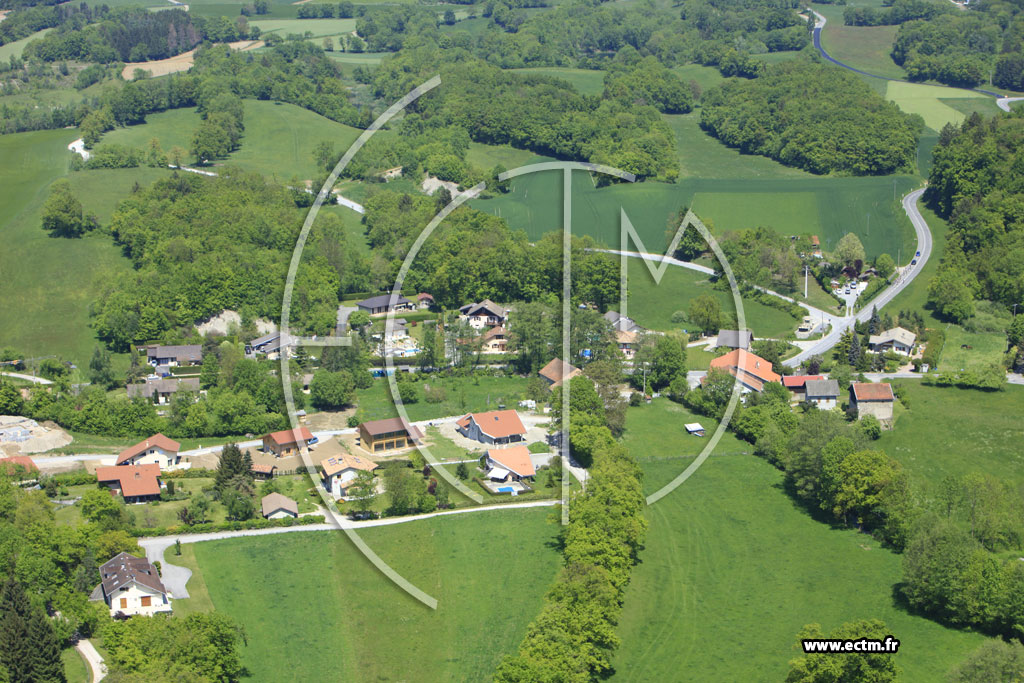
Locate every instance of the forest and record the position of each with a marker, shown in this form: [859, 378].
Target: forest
[814, 117]
[978, 183]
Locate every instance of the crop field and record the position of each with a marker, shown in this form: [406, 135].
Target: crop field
[928, 101]
[733, 569]
[278, 141]
[313, 607]
[49, 283]
[950, 431]
[586, 81]
[867, 207]
[651, 304]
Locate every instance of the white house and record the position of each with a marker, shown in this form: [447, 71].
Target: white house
[131, 586]
[156, 450]
[278, 506]
[823, 393]
[897, 339]
[484, 314]
[493, 427]
[341, 471]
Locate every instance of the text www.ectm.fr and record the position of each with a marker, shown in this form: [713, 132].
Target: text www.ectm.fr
[839, 645]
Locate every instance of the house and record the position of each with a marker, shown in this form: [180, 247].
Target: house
[621, 323]
[510, 464]
[494, 340]
[159, 355]
[484, 314]
[160, 391]
[493, 427]
[823, 393]
[263, 471]
[385, 303]
[271, 345]
[424, 300]
[556, 371]
[797, 384]
[751, 370]
[897, 339]
[341, 471]
[392, 434]
[870, 398]
[277, 506]
[18, 465]
[734, 339]
[695, 428]
[398, 331]
[135, 483]
[628, 343]
[131, 586]
[157, 449]
[287, 441]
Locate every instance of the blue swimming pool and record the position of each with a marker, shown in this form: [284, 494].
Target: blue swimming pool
[505, 489]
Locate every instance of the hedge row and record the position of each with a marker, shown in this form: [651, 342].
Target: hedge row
[935, 340]
[227, 526]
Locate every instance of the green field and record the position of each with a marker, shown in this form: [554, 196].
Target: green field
[705, 76]
[278, 142]
[463, 395]
[927, 100]
[49, 283]
[863, 206]
[863, 47]
[15, 48]
[315, 609]
[585, 81]
[75, 668]
[986, 348]
[320, 28]
[950, 431]
[651, 305]
[489, 156]
[732, 570]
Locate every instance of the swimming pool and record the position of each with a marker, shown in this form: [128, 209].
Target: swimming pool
[506, 489]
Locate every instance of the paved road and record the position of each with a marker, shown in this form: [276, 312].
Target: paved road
[176, 577]
[905, 277]
[92, 658]
[27, 378]
[1004, 102]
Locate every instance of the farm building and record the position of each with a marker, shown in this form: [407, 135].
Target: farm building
[869, 398]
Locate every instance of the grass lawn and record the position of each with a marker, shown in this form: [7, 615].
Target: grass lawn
[464, 395]
[704, 76]
[863, 206]
[985, 348]
[489, 156]
[16, 47]
[49, 283]
[927, 100]
[732, 570]
[310, 602]
[198, 599]
[950, 431]
[652, 305]
[75, 668]
[278, 142]
[585, 81]
[863, 47]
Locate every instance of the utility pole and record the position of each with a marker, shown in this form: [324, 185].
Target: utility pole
[806, 271]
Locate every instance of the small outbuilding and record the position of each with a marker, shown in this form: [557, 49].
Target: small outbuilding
[695, 428]
[278, 506]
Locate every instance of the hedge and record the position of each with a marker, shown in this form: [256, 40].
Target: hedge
[227, 526]
[935, 339]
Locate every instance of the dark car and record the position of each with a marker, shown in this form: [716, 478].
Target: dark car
[917, 254]
[914, 262]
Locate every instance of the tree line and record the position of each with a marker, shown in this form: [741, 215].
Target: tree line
[897, 12]
[814, 117]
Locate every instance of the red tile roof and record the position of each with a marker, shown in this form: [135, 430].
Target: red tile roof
[748, 363]
[10, 464]
[798, 381]
[344, 461]
[288, 436]
[133, 480]
[263, 469]
[871, 391]
[515, 459]
[497, 424]
[558, 369]
[155, 441]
